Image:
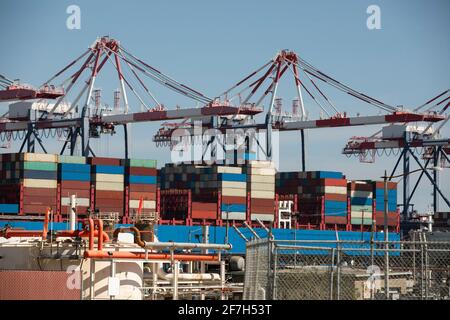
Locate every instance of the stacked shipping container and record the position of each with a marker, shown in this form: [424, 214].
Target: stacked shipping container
[378, 189]
[108, 178]
[141, 179]
[322, 195]
[36, 175]
[214, 189]
[361, 202]
[261, 187]
[74, 178]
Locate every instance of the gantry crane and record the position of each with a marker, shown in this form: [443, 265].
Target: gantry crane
[264, 82]
[410, 142]
[59, 118]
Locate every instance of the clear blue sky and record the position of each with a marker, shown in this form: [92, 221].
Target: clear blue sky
[211, 44]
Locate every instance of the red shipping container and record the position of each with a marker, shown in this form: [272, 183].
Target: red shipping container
[41, 201]
[360, 186]
[390, 185]
[137, 171]
[104, 209]
[109, 202]
[39, 192]
[104, 194]
[36, 209]
[75, 184]
[80, 210]
[262, 202]
[137, 187]
[261, 209]
[78, 193]
[104, 161]
[234, 200]
[204, 214]
[335, 220]
[392, 218]
[335, 197]
[145, 195]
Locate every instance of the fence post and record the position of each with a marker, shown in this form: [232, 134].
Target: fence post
[386, 268]
[333, 251]
[338, 280]
[274, 273]
[427, 279]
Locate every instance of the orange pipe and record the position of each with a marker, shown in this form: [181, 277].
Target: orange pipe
[91, 233]
[99, 223]
[22, 233]
[152, 256]
[81, 234]
[45, 228]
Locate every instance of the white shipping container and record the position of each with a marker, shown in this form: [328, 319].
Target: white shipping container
[262, 194]
[261, 164]
[261, 171]
[106, 177]
[146, 204]
[109, 186]
[234, 192]
[359, 214]
[262, 217]
[233, 215]
[262, 187]
[82, 202]
[40, 183]
[39, 157]
[223, 169]
[234, 185]
[259, 178]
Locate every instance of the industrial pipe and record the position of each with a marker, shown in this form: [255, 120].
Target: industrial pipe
[137, 235]
[99, 223]
[187, 245]
[46, 220]
[187, 276]
[95, 254]
[81, 234]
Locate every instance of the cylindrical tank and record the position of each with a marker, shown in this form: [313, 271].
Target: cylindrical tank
[237, 263]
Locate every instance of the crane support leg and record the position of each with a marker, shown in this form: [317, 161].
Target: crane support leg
[436, 156]
[125, 134]
[302, 135]
[433, 182]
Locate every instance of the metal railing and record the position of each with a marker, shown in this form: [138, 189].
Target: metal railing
[347, 270]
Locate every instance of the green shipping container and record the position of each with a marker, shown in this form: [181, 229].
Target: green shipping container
[72, 159]
[359, 221]
[142, 163]
[45, 166]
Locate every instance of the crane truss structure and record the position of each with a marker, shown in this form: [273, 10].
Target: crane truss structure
[264, 82]
[91, 121]
[408, 144]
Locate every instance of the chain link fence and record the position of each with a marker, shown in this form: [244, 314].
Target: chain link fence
[347, 270]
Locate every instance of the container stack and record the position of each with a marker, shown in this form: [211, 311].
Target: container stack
[322, 195]
[232, 184]
[141, 178]
[74, 176]
[379, 202]
[38, 174]
[361, 202]
[9, 185]
[206, 183]
[109, 184]
[261, 186]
